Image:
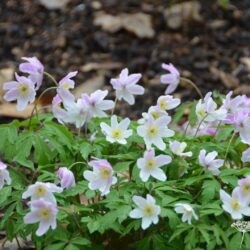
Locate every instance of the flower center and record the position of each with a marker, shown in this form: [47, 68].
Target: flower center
[105, 173]
[148, 210]
[152, 131]
[40, 191]
[23, 89]
[44, 213]
[116, 134]
[150, 164]
[201, 113]
[155, 114]
[66, 85]
[247, 188]
[163, 105]
[235, 204]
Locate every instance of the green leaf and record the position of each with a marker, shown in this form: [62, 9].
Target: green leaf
[209, 189]
[85, 150]
[72, 247]
[80, 241]
[192, 118]
[42, 152]
[56, 246]
[122, 166]
[224, 133]
[5, 192]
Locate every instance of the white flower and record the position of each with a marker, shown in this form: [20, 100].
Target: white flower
[244, 188]
[155, 112]
[187, 212]
[150, 165]
[101, 177]
[236, 205]
[209, 163]
[22, 90]
[4, 175]
[126, 86]
[43, 190]
[167, 102]
[96, 105]
[147, 210]
[207, 111]
[152, 131]
[117, 132]
[67, 178]
[246, 156]
[178, 148]
[44, 212]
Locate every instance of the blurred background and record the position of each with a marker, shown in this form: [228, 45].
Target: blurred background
[207, 40]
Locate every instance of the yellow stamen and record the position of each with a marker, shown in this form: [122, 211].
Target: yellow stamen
[152, 131]
[150, 165]
[116, 134]
[105, 173]
[235, 204]
[44, 213]
[40, 191]
[148, 210]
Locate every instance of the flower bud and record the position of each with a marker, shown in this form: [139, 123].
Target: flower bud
[67, 178]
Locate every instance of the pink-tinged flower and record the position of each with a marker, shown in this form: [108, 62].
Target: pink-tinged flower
[155, 112]
[117, 132]
[67, 178]
[101, 177]
[67, 110]
[246, 156]
[150, 165]
[126, 86]
[67, 82]
[236, 206]
[167, 102]
[244, 187]
[65, 85]
[22, 90]
[146, 209]
[44, 212]
[4, 175]
[96, 105]
[178, 147]
[241, 122]
[209, 163]
[152, 131]
[232, 105]
[43, 190]
[207, 111]
[172, 78]
[34, 68]
[187, 212]
[59, 113]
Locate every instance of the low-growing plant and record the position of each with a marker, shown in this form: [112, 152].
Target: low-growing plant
[85, 179]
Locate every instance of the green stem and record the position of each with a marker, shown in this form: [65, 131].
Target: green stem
[112, 112]
[51, 78]
[193, 85]
[228, 146]
[199, 125]
[75, 163]
[37, 101]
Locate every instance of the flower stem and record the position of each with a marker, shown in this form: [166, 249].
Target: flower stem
[37, 101]
[51, 78]
[228, 146]
[112, 112]
[199, 125]
[193, 85]
[75, 163]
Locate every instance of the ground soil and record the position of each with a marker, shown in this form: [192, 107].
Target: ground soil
[65, 40]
